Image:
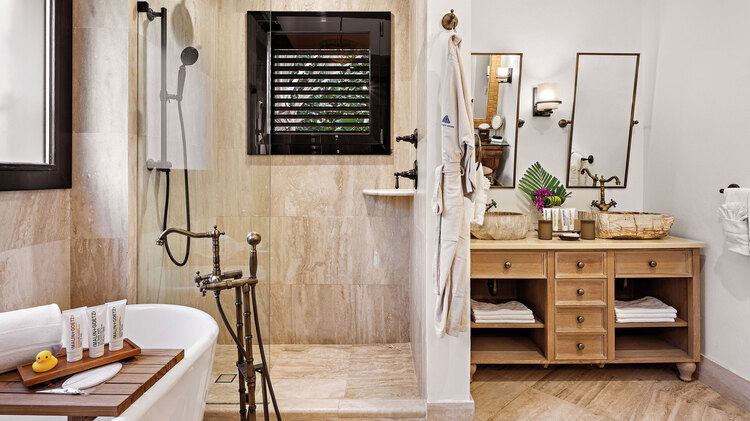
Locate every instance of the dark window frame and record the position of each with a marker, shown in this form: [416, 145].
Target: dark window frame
[57, 173]
[262, 140]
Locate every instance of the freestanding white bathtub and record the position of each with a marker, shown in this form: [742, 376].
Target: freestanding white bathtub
[181, 393]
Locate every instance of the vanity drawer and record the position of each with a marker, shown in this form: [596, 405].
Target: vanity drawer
[648, 263]
[580, 346]
[588, 264]
[578, 292]
[573, 319]
[501, 264]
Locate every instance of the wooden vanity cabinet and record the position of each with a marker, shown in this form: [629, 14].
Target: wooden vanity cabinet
[571, 287]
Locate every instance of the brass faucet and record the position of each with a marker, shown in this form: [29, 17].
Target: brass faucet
[602, 205]
[490, 205]
[216, 275]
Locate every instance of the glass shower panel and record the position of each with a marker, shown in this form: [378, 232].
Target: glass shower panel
[192, 159]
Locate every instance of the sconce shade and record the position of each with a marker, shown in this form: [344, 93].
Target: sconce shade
[546, 99]
[547, 96]
[504, 74]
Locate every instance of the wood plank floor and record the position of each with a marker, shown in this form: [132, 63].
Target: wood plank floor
[627, 392]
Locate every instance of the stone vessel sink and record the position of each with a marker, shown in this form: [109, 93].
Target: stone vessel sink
[629, 225]
[502, 226]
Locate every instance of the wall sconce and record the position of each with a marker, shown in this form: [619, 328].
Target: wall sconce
[504, 75]
[545, 99]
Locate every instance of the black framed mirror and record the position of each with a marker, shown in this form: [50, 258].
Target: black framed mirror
[36, 96]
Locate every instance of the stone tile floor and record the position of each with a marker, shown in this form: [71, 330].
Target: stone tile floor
[326, 382]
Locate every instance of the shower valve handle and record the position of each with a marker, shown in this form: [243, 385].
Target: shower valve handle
[253, 238]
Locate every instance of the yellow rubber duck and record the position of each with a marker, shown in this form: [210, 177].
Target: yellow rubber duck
[45, 361]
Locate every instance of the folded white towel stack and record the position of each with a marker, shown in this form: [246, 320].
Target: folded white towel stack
[25, 333]
[510, 312]
[644, 310]
[734, 220]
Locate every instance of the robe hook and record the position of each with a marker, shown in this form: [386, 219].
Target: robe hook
[450, 21]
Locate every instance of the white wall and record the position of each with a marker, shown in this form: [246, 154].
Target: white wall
[444, 361]
[549, 33]
[700, 142]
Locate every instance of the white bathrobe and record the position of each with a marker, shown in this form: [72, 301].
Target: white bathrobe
[454, 181]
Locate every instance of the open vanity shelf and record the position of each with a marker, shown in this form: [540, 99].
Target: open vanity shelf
[571, 287]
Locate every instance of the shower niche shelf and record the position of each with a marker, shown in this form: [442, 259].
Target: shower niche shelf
[389, 192]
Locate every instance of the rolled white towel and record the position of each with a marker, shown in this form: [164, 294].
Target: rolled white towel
[25, 333]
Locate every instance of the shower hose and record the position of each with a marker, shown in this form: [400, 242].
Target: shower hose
[187, 196]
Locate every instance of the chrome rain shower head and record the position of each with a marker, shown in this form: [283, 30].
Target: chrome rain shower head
[189, 56]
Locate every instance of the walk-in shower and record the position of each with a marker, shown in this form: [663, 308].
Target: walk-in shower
[333, 267]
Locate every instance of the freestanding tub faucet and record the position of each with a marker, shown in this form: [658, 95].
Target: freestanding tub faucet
[245, 307]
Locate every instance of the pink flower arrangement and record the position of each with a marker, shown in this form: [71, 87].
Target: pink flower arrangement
[539, 196]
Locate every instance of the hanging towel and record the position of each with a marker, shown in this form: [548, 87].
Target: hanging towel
[24, 333]
[734, 220]
[454, 182]
[483, 188]
[575, 168]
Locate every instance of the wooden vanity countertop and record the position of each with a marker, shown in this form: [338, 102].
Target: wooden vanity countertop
[531, 242]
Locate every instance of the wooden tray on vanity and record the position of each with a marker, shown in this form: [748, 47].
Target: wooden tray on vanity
[65, 368]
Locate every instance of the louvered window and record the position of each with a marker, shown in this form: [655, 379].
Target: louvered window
[329, 83]
[321, 90]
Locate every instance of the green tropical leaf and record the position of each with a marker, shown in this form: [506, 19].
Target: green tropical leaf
[536, 178]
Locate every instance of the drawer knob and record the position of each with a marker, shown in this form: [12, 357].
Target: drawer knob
[507, 265]
[581, 265]
[580, 291]
[580, 319]
[581, 346]
[652, 263]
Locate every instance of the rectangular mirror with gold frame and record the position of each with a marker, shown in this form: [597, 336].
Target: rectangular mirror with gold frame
[495, 89]
[601, 125]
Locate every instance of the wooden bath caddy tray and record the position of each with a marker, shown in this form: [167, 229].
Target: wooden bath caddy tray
[65, 368]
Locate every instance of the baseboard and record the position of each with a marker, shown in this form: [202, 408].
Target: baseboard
[728, 384]
[450, 411]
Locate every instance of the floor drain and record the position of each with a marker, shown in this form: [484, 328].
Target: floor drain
[225, 378]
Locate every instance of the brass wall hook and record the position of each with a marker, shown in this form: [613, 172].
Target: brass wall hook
[564, 123]
[731, 186]
[450, 21]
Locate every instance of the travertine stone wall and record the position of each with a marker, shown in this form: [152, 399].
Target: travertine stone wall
[99, 197]
[334, 264]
